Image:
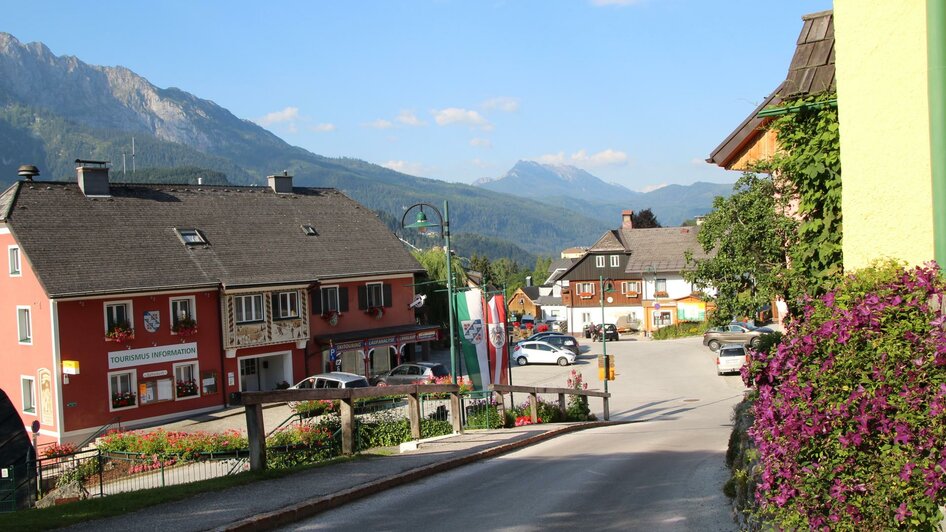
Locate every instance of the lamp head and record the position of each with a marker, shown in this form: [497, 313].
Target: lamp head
[422, 224]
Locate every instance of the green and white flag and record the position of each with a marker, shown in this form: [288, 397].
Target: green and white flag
[469, 308]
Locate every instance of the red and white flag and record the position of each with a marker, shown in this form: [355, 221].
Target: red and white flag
[496, 321]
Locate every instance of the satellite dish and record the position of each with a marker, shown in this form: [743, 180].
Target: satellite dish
[418, 301]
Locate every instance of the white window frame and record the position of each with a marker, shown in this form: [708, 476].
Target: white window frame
[191, 237]
[292, 299]
[129, 312]
[586, 288]
[191, 301]
[327, 299]
[655, 318]
[196, 371]
[32, 390]
[240, 308]
[15, 261]
[134, 388]
[657, 289]
[599, 261]
[369, 292]
[27, 338]
[615, 261]
[631, 287]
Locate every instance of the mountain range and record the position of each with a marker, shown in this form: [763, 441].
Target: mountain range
[55, 109]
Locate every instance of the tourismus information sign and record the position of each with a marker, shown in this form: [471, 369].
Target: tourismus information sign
[151, 355]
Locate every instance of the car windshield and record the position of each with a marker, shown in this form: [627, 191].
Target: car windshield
[731, 352]
[439, 371]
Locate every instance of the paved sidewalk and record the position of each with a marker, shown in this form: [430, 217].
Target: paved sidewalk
[270, 503]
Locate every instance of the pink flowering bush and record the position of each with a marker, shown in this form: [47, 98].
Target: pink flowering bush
[850, 413]
[162, 444]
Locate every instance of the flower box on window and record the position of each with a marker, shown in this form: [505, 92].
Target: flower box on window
[120, 334]
[186, 388]
[123, 399]
[632, 293]
[585, 295]
[185, 328]
[660, 294]
[331, 317]
[376, 312]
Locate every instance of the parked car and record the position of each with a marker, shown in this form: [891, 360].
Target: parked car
[734, 333]
[541, 352]
[563, 340]
[611, 333]
[411, 373]
[541, 335]
[731, 358]
[335, 379]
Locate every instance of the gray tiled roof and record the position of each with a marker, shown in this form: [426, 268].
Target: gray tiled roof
[549, 301]
[561, 264]
[660, 250]
[610, 241]
[127, 242]
[532, 292]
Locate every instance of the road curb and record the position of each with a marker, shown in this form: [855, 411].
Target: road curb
[309, 508]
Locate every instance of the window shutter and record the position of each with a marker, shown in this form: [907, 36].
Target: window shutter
[386, 294]
[343, 299]
[274, 300]
[362, 297]
[317, 301]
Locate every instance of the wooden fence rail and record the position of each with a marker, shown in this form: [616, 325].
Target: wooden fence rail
[254, 401]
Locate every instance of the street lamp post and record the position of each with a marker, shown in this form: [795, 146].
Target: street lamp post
[422, 224]
[604, 333]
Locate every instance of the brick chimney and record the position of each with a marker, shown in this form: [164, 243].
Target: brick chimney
[93, 177]
[627, 219]
[281, 184]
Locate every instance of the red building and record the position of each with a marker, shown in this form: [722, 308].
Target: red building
[142, 303]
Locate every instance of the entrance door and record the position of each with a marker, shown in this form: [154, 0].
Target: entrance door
[249, 375]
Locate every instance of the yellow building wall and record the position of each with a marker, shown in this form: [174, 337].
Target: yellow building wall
[883, 114]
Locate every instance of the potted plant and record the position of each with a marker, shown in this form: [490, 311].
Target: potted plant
[123, 399]
[331, 317]
[186, 388]
[185, 327]
[120, 333]
[376, 312]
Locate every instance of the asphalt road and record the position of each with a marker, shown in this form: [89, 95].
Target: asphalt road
[663, 472]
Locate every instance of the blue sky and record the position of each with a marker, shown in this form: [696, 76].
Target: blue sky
[637, 92]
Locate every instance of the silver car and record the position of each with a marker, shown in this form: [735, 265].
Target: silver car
[731, 358]
[411, 373]
[541, 352]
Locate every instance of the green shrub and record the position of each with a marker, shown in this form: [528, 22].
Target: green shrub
[681, 330]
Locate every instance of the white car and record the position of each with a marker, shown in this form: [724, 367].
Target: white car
[731, 358]
[539, 352]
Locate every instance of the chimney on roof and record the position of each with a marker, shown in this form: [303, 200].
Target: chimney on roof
[528, 280]
[281, 184]
[27, 172]
[93, 177]
[627, 219]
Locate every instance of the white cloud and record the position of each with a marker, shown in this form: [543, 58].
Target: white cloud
[502, 103]
[405, 167]
[456, 115]
[408, 118]
[481, 143]
[323, 128]
[651, 188]
[553, 158]
[286, 115]
[581, 158]
[381, 124]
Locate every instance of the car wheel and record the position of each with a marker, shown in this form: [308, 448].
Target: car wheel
[713, 345]
[522, 361]
[381, 383]
[562, 361]
[754, 343]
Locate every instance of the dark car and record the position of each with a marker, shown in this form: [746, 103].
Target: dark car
[611, 333]
[411, 373]
[734, 333]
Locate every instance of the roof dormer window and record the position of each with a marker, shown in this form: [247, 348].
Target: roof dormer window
[309, 230]
[191, 237]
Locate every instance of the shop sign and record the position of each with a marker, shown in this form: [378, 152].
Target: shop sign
[349, 346]
[375, 342]
[152, 355]
[149, 374]
[427, 335]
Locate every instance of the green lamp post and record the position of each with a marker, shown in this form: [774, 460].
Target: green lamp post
[607, 285]
[422, 224]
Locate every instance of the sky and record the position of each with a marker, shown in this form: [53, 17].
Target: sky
[636, 92]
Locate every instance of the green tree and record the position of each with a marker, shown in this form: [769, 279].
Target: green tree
[435, 285]
[645, 219]
[748, 237]
[541, 271]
